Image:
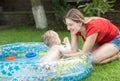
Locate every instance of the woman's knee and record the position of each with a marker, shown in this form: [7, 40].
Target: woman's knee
[104, 52]
[96, 61]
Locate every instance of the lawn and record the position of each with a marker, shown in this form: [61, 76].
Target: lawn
[106, 72]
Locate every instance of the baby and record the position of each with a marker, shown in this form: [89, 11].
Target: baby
[56, 49]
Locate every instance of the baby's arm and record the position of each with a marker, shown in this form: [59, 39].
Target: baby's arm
[67, 48]
[66, 41]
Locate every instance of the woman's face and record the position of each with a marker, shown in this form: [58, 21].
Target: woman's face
[73, 26]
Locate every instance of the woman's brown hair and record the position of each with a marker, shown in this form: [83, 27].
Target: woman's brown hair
[75, 15]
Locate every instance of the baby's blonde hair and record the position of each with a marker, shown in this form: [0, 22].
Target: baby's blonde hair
[49, 37]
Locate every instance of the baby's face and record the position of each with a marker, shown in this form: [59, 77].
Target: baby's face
[55, 37]
[58, 39]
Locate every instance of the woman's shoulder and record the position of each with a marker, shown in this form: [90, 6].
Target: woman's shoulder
[96, 20]
[88, 19]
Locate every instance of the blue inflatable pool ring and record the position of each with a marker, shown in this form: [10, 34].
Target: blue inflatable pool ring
[30, 55]
[31, 69]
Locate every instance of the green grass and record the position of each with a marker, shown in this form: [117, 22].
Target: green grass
[106, 72]
[24, 34]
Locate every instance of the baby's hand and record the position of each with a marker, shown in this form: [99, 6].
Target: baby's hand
[66, 40]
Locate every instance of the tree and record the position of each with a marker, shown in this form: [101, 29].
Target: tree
[39, 14]
[96, 7]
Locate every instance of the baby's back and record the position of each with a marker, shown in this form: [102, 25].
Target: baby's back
[53, 54]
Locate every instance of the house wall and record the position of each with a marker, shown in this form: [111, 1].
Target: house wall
[19, 12]
[15, 5]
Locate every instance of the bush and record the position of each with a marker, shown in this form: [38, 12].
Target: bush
[60, 8]
[96, 7]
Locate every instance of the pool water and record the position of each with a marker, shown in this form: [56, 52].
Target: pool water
[21, 50]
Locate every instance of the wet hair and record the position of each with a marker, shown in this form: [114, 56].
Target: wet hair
[75, 15]
[49, 37]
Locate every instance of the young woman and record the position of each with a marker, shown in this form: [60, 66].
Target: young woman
[100, 36]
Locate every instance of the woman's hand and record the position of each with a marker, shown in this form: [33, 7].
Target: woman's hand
[73, 32]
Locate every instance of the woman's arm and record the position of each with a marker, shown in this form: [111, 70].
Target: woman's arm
[74, 43]
[73, 54]
[89, 43]
[87, 47]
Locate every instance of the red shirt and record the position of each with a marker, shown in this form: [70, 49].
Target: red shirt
[105, 29]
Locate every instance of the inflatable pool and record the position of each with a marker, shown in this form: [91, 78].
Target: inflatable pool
[20, 62]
